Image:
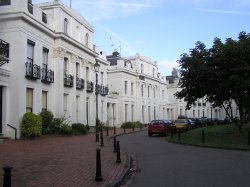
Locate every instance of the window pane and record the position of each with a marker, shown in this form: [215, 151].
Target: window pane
[30, 51]
[44, 100]
[29, 99]
[45, 56]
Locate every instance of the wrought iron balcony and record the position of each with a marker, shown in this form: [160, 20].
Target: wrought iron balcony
[4, 52]
[47, 75]
[103, 90]
[90, 86]
[68, 80]
[79, 83]
[33, 71]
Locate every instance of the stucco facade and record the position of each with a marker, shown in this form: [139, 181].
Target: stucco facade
[51, 63]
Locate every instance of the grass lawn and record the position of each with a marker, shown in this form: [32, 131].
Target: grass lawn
[223, 136]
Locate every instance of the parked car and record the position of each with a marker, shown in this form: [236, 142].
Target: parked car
[191, 124]
[161, 127]
[170, 126]
[181, 124]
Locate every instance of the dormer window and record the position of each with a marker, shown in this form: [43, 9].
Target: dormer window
[87, 39]
[65, 26]
[30, 6]
[44, 17]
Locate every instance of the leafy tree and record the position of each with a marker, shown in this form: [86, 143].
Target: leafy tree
[221, 74]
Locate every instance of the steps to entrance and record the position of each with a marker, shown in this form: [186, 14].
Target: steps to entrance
[3, 137]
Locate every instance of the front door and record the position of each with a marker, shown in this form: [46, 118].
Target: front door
[1, 106]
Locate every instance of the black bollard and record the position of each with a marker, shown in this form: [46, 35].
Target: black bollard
[140, 127]
[114, 130]
[124, 130]
[107, 131]
[172, 132]
[7, 176]
[202, 136]
[179, 134]
[97, 136]
[98, 176]
[102, 139]
[133, 128]
[114, 144]
[249, 138]
[118, 158]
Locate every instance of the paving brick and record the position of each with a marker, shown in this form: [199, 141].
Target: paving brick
[53, 161]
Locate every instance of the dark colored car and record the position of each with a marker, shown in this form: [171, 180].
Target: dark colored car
[191, 124]
[161, 127]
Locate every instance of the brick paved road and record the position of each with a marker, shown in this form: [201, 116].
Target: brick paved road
[60, 161]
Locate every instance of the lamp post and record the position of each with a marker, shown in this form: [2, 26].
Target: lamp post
[97, 67]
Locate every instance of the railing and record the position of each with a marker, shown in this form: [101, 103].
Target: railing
[33, 71]
[90, 86]
[47, 75]
[102, 90]
[4, 52]
[14, 129]
[68, 80]
[79, 83]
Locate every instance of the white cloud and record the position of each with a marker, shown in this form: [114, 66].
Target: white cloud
[108, 9]
[224, 11]
[165, 67]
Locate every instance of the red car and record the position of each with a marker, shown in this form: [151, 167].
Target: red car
[161, 127]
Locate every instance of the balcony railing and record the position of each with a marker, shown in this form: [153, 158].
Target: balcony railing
[68, 80]
[90, 86]
[4, 52]
[33, 71]
[79, 83]
[47, 75]
[103, 90]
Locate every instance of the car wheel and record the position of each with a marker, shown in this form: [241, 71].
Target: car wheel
[149, 134]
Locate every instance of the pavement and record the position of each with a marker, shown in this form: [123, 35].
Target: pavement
[65, 161]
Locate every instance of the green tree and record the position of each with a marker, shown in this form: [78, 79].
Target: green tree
[221, 74]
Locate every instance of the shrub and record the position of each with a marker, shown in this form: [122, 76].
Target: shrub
[100, 124]
[87, 127]
[47, 122]
[138, 124]
[128, 124]
[65, 129]
[31, 125]
[131, 124]
[56, 125]
[79, 128]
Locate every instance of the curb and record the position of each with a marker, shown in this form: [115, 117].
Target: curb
[130, 166]
[207, 146]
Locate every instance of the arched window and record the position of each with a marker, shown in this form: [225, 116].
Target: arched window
[87, 39]
[65, 26]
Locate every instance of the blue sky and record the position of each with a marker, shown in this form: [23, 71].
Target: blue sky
[162, 29]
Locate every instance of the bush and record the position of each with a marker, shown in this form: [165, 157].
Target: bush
[100, 125]
[31, 125]
[138, 124]
[65, 129]
[56, 125]
[47, 122]
[131, 124]
[128, 124]
[79, 128]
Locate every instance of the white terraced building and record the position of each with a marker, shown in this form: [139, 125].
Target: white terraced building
[47, 59]
[50, 64]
